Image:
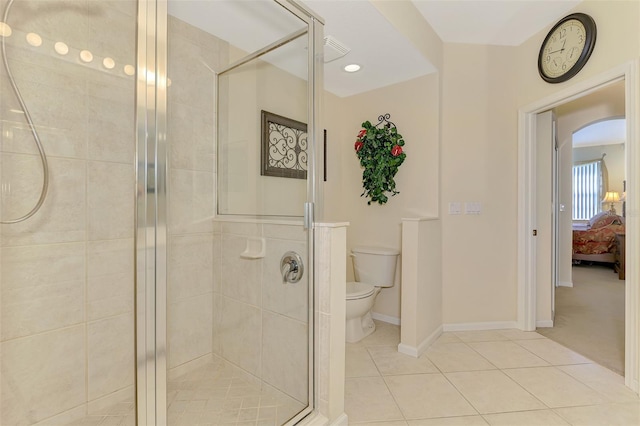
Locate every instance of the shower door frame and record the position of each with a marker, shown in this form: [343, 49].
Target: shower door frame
[151, 203]
[151, 217]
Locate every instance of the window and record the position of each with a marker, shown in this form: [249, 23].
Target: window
[588, 189]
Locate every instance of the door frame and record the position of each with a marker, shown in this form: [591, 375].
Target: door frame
[629, 72]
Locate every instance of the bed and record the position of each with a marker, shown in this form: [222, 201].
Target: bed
[595, 241]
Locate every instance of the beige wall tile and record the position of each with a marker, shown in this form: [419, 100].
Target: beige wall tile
[251, 229]
[112, 32]
[110, 200]
[240, 278]
[110, 355]
[285, 355]
[111, 126]
[110, 286]
[191, 208]
[62, 216]
[289, 299]
[241, 334]
[190, 329]
[42, 375]
[42, 288]
[285, 232]
[69, 23]
[190, 266]
[191, 136]
[217, 262]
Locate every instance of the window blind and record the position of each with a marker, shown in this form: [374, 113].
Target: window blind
[587, 190]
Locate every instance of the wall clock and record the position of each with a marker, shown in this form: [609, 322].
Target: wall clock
[567, 48]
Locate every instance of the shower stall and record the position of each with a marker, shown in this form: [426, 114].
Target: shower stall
[158, 171]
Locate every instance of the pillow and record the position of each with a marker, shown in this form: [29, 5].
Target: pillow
[604, 219]
[596, 218]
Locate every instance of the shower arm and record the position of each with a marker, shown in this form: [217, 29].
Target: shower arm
[32, 127]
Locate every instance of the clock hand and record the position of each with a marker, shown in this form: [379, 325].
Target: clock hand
[561, 49]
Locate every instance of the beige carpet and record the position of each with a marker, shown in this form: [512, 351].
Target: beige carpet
[590, 316]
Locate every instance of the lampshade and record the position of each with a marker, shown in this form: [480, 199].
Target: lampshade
[611, 197]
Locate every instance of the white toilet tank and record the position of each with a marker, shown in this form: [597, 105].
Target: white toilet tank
[375, 265]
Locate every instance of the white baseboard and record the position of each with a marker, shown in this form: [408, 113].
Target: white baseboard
[385, 318]
[416, 352]
[477, 326]
[565, 284]
[544, 323]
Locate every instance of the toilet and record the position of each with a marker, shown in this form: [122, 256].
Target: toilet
[374, 268]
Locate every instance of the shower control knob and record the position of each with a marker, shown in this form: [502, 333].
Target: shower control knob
[291, 267]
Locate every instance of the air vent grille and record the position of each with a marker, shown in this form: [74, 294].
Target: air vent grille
[333, 49]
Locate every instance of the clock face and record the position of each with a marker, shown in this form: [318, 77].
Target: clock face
[563, 49]
[567, 48]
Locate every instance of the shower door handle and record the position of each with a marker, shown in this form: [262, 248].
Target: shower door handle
[291, 267]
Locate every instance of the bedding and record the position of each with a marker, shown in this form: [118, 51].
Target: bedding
[599, 240]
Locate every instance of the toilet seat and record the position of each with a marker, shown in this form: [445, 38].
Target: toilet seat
[359, 290]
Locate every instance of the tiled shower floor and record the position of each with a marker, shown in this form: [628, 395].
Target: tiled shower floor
[213, 394]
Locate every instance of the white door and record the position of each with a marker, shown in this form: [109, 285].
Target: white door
[545, 228]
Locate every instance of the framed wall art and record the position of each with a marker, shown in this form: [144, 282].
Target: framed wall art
[284, 147]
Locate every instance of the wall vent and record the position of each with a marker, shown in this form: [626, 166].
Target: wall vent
[333, 49]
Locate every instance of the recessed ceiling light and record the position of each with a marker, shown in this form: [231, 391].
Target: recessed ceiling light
[34, 39]
[61, 48]
[352, 68]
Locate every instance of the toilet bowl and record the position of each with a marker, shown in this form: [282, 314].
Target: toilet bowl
[374, 268]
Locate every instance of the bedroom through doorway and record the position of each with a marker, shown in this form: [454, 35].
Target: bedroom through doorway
[588, 226]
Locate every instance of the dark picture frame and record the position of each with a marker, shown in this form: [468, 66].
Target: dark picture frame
[283, 147]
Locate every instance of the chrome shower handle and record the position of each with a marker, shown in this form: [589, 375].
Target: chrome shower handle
[291, 267]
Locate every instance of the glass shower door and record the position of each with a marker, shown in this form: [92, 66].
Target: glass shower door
[238, 102]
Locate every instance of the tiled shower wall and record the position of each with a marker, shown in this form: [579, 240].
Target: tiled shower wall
[260, 323]
[218, 302]
[66, 295]
[192, 54]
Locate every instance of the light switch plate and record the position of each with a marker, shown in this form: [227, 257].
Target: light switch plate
[455, 208]
[472, 207]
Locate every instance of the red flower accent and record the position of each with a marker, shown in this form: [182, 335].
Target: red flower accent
[358, 146]
[362, 133]
[396, 150]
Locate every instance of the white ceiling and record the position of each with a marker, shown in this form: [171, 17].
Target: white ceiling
[605, 132]
[385, 55]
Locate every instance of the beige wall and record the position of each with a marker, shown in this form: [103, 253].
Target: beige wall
[244, 92]
[483, 87]
[413, 106]
[479, 163]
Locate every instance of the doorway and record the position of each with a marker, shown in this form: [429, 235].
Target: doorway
[587, 285]
[527, 288]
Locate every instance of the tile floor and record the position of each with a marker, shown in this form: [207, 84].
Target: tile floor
[215, 394]
[502, 377]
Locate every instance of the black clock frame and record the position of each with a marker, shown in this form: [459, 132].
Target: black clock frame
[590, 42]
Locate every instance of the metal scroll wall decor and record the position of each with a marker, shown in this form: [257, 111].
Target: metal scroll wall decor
[284, 147]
